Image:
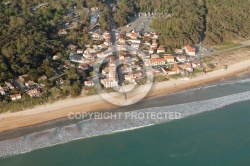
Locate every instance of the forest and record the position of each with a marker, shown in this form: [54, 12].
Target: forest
[192, 21]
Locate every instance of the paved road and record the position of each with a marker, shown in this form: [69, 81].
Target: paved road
[114, 50]
[208, 51]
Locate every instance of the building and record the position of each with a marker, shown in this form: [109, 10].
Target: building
[106, 36]
[174, 71]
[161, 50]
[89, 83]
[169, 59]
[10, 85]
[15, 97]
[129, 78]
[190, 50]
[135, 45]
[154, 43]
[2, 91]
[151, 50]
[30, 84]
[155, 62]
[62, 32]
[186, 67]
[155, 56]
[43, 77]
[33, 93]
[79, 51]
[181, 58]
[109, 83]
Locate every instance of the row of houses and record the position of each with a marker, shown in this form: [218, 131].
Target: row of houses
[21, 83]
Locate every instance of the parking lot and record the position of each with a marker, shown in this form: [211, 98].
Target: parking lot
[139, 24]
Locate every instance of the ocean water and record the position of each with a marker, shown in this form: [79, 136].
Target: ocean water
[221, 137]
[214, 131]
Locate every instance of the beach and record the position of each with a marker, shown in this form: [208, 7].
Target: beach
[61, 109]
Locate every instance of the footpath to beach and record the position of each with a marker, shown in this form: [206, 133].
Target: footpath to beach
[61, 109]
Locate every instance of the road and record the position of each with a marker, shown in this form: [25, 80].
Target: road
[213, 52]
[114, 49]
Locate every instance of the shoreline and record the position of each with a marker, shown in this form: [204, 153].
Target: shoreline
[60, 109]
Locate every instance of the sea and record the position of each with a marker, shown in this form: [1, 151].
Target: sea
[213, 130]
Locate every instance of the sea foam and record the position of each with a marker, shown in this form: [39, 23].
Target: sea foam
[96, 127]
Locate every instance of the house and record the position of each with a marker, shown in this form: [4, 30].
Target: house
[89, 83]
[114, 10]
[84, 66]
[181, 58]
[62, 32]
[179, 51]
[15, 97]
[154, 43]
[161, 49]
[2, 91]
[109, 83]
[96, 36]
[155, 35]
[107, 43]
[157, 72]
[196, 65]
[33, 93]
[190, 50]
[101, 46]
[135, 45]
[55, 57]
[43, 77]
[135, 41]
[174, 71]
[134, 35]
[169, 59]
[76, 58]
[30, 84]
[146, 42]
[155, 56]
[79, 51]
[151, 50]
[22, 78]
[10, 85]
[129, 78]
[72, 47]
[106, 36]
[90, 51]
[105, 71]
[155, 62]
[186, 67]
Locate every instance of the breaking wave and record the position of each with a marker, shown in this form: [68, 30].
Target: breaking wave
[95, 127]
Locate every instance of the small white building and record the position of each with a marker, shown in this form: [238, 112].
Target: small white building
[169, 59]
[181, 58]
[109, 83]
[15, 97]
[89, 83]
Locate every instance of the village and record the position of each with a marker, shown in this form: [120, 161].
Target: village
[137, 51]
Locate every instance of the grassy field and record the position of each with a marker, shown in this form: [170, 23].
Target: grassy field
[226, 45]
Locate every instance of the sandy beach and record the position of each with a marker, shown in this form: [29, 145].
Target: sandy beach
[61, 109]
